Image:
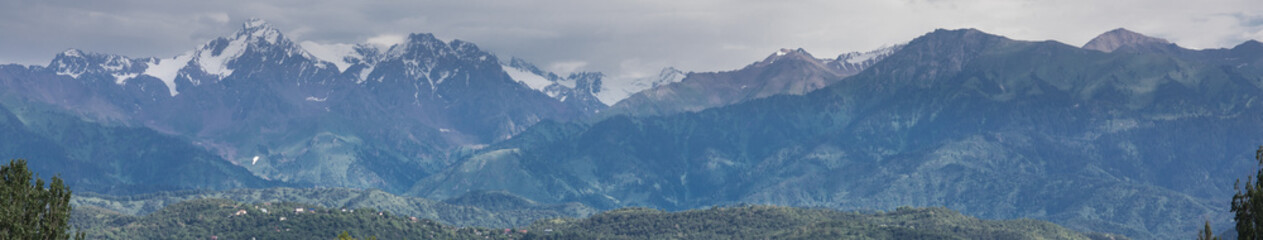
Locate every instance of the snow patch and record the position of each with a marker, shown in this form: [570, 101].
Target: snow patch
[862, 57]
[73, 53]
[336, 53]
[68, 72]
[531, 79]
[617, 89]
[256, 160]
[364, 74]
[315, 99]
[218, 64]
[260, 29]
[121, 78]
[167, 69]
[255, 22]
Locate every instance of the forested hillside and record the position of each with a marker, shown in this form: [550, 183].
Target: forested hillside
[227, 219]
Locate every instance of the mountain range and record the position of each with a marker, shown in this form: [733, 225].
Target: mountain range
[1134, 141]
[261, 102]
[1127, 134]
[792, 72]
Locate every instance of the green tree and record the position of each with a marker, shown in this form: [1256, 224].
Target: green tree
[30, 211]
[1206, 234]
[1248, 203]
[347, 236]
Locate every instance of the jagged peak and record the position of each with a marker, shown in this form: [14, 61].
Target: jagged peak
[424, 39]
[522, 63]
[258, 29]
[73, 52]
[78, 53]
[1121, 37]
[105, 60]
[669, 75]
[871, 55]
[585, 75]
[669, 71]
[415, 42]
[255, 23]
[75, 63]
[426, 45]
[786, 53]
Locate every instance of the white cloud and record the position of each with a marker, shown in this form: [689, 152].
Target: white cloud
[567, 67]
[386, 40]
[333, 52]
[219, 17]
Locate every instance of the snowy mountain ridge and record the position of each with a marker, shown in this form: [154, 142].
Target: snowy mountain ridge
[211, 62]
[614, 91]
[854, 62]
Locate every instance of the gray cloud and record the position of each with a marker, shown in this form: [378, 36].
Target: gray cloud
[621, 38]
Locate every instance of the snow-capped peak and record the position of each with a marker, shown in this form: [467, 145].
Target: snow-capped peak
[255, 23]
[72, 53]
[524, 75]
[215, 58]
[261, 30]
[786, 53]
[616, 89]
[862, 57]
[75, 63]
[854, 62]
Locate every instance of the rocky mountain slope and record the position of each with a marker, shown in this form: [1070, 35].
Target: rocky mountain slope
[787, 71]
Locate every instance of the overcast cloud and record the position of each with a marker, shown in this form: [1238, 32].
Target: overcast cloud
[621, 38]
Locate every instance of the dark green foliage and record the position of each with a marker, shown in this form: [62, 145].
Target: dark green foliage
[1206, 233]
[347, 236]
[765, 222]
[32, 211]
[1248, 204]
[488, 209]
[226, 219]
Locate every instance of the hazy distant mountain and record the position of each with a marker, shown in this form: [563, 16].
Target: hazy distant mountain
[614, 91]
[1143, 144]
[1127, 40]
[377, 117]
[579, 90]
[787, 71]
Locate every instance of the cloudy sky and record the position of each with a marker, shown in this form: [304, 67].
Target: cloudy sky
[624, 39]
